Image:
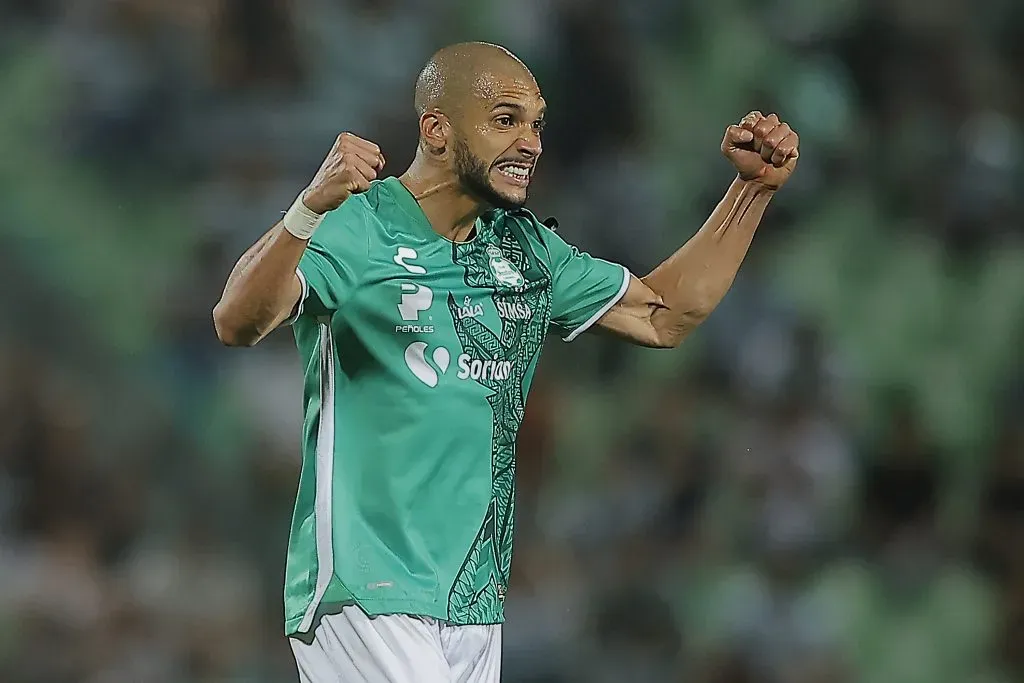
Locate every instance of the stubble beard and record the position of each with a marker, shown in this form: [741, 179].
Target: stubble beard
[473, 175]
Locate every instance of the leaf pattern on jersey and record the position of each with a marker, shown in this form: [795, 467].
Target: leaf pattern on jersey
[464, 589]
[479, 589]
[487, 602]
[504, 489]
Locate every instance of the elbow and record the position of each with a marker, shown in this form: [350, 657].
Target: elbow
[662, 338]
[229, 331]
[667, 341]
[672, 336]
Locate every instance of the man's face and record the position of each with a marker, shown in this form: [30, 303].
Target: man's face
[497, 139]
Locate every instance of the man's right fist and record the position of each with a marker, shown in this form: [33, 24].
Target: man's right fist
[349, 168]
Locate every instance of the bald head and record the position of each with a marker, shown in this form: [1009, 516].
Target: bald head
[481, 114]
[462, 71]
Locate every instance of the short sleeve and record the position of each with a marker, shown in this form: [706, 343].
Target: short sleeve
[334, 261]
[583, 287]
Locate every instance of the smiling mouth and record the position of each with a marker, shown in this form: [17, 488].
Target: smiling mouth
[516, 172]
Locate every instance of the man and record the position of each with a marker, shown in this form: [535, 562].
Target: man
[420, 305]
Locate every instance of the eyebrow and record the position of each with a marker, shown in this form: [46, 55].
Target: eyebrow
[518, 107]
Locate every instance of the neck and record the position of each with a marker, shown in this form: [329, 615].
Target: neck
[450, 211]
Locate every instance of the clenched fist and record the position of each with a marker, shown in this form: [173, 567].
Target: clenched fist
[762, 148]
[349, 168]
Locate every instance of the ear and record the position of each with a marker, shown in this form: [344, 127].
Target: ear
[435, 131]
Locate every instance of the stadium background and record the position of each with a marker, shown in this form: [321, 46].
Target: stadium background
[824, 485]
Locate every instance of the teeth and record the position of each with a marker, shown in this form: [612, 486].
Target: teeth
[514, 171]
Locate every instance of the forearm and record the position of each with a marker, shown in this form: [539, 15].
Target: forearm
[695, 278]
[262, 289]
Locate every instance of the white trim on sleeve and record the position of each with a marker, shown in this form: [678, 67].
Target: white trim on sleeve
[302, 299]
[626, 276]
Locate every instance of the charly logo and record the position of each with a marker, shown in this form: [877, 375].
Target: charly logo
[469, 310]
[408, 254]
[415, 299]
[504, 271]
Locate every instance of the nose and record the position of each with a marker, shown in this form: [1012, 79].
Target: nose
[529, 144]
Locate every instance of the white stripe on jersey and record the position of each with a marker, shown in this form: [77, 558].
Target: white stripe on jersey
[324, 476]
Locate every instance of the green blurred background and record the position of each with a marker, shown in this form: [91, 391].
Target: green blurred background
[824, 485]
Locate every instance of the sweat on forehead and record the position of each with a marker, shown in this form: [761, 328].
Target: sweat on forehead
[458, 72]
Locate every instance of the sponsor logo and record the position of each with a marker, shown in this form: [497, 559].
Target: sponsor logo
[415, 299]
[422, 369]
[474, 368]
[428, 366]
[513, 310]
[407, 254]
[503, 270]
[469, 310]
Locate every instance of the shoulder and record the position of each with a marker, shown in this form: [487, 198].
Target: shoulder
[348, 230]
[529, 228]
[376, 199]
[357, 215]
[363, 207]
[528, 220]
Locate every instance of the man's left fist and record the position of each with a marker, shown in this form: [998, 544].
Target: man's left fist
[762, 148]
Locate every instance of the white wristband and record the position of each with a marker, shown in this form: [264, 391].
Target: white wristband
[300, 221]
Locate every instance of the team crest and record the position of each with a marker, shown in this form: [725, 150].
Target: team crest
[503, 270]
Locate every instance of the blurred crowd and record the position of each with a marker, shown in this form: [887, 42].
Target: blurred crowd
[826, 485]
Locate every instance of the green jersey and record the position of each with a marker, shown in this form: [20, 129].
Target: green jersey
[418, 355]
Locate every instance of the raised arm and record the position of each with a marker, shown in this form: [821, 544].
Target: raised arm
[263, 289]
[662, 308]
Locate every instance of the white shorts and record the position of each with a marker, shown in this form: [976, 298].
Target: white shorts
[351, 647]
